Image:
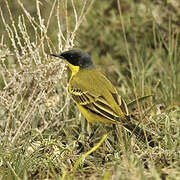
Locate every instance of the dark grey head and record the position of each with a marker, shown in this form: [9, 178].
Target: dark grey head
[77, 58]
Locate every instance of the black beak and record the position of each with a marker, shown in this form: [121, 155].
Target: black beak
[57, 55]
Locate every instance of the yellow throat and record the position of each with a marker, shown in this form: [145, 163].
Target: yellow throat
[74, 69]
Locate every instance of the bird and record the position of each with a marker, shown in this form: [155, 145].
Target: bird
[96, 97]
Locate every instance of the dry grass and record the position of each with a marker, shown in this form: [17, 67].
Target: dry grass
[30, 78]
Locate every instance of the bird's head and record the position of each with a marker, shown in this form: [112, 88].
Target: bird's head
[76, 59]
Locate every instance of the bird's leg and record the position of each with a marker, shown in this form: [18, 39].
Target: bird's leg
[85, 137]
[84, 132]
[82, 136]
[90, 131]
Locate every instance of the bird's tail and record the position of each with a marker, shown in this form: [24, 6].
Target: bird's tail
[140, 134]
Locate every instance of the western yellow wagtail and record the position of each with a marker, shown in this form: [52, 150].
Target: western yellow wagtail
[95, 96]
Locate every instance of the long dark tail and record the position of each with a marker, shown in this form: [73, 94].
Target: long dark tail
[140, 134]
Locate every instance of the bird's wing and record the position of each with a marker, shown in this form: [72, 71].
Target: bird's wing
[121, 103]
[96, 93]
[98, 104]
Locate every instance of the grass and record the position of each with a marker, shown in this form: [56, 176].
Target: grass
[43, 135]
